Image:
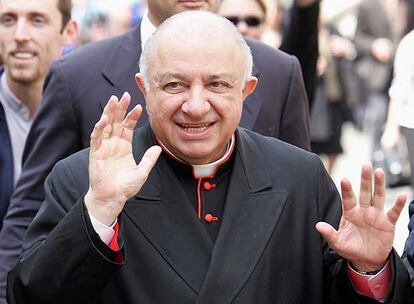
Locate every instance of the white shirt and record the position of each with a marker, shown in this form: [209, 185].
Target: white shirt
[18, 122]
[147, 29]
[402, 88]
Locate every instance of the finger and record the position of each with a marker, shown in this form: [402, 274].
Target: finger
[394, 213]
[147, 163]
[348, 196]
[328, 233]
[97, 133]
[109, 111]
[130, 122]
[365, 192]
[119, 115]
[379, 189]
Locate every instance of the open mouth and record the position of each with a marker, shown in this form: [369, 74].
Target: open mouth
[23, 55]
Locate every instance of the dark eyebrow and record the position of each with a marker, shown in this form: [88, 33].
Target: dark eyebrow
[39, 14]
[7, 13]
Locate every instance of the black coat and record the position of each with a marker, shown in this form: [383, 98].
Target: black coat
[267, 250]
[79, 85]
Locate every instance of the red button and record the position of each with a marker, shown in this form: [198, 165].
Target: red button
[208, 186]
[210, 218]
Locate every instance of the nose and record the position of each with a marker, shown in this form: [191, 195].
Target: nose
[242, 27]
[196, 105]
[22, 31]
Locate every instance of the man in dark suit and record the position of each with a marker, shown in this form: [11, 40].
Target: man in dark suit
[30, 38]
[212, 213]
[79, 84]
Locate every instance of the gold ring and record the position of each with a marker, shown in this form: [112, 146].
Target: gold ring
[106, 135]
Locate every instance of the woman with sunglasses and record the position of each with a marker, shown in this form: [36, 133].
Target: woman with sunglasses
[299, 39]
[247, 15]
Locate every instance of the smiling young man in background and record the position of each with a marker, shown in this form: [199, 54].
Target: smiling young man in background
[32, 34]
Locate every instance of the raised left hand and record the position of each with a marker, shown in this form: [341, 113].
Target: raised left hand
[366, 233]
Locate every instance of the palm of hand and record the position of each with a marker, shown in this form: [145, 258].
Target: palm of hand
[365, 236]
[366, 233]
[113, 170]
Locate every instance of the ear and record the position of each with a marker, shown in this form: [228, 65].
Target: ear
[70, 32]
[250, 86]
[140, 83]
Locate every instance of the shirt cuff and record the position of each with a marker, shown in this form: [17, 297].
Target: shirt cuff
[373, 286]
[105, 232]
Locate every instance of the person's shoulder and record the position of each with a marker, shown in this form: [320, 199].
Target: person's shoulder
[273, 148]
[70, 176]
[74, 164]
[269, 60]
[260, 49]
[95, 53]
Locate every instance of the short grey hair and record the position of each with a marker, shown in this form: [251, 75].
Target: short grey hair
[190, 25]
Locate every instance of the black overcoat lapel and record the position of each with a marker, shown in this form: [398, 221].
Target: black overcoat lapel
[253, 207]
[122, 65]
[163, 213]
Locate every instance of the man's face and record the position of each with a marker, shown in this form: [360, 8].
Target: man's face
[30, 37]
[195, 97]
[159, 10]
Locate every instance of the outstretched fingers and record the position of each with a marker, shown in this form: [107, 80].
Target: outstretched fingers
[103, 127]
[365, 192]
[97, 134]
[328, 233]
[147, 163]
[378, 199]
[109, 112]
[130, 121]
[348, 196]
[119, 114]
[394, 213]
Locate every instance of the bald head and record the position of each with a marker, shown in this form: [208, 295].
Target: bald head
[196, 30]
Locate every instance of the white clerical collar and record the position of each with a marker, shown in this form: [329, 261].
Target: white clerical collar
[208, 170]
[147, 29]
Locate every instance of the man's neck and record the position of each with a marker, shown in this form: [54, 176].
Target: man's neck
[29, 94]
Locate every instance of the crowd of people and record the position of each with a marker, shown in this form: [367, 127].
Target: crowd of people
[164, 154]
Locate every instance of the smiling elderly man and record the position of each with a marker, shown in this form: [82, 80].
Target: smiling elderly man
[212, 213]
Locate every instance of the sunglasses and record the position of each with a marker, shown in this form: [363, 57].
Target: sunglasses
[249, 20]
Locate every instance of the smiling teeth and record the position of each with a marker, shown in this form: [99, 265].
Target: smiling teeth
[197, 129]
[23, 55]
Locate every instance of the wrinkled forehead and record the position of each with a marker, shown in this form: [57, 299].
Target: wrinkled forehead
[210, 54]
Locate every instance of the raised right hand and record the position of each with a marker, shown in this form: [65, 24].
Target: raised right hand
[114, 175]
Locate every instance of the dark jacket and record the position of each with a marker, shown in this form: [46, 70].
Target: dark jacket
[79, 85]
[267, 249]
